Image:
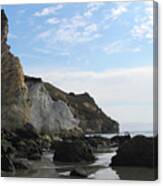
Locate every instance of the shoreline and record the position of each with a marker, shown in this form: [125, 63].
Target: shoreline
[99, 169]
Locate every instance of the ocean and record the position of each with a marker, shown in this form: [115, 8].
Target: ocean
[132, 133]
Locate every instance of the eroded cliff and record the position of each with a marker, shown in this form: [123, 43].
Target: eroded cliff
[48, 115]
[47, 108]
[91, 118]
[15, 101]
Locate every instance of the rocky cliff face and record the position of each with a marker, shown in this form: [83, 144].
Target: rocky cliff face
[91, 118]
[15, 102]
[48, 115]
[28, 99]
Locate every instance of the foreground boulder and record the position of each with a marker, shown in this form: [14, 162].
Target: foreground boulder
[120, 139]
[19, 145]
[139, 151]
[99, 144]
[78, 172]
[73, 151]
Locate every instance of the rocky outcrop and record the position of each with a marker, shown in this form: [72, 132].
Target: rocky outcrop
[75, 150]
[91, 118]
[140, 151]
[15, 102]
[48, 115]
[19, 146]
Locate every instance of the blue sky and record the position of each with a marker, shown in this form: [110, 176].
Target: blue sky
[103, 48]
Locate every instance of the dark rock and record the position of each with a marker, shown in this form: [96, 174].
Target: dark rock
[136, 173]
[83, 172]
[7, 164]
[73, 151]
[27, 132]
[34, 151]
[99, 144]
[7, 153]
[7, 148]
[21, 163]
[22, 143]
[79, 172]
[139, 151]
[34, 79]
[119, 140]
[34, 156]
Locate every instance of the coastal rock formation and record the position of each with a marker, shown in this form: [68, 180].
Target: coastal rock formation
[140, 151]
[48, 109]
[29, 101]
[15, 102]
[48, 115]
[18, 147]
[91, 118]
[75, 150]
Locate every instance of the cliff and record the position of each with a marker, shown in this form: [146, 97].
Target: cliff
[29, 100]
[91, 118]
[15, 102]
[48, 115]
[26, 100]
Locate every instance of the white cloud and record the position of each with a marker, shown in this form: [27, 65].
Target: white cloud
[120, 46]
[53, 21]
[124, 94]
[143, 27]
[76, 29]
[92, 8]
[118, 11]
[48, 10]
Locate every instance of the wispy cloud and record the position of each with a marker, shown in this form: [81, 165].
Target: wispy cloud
[143, 27]
[42, 51]
[76, 29]
[44, 34]
[48, 10]
[53, 21]
[92, 8]
[52, 51]
[120, 46]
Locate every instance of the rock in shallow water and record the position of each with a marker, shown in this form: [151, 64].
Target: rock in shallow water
[139, 151]
[73, 151]
[79, 172]
[84, 172]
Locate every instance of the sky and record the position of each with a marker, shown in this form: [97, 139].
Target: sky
[105, 49]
